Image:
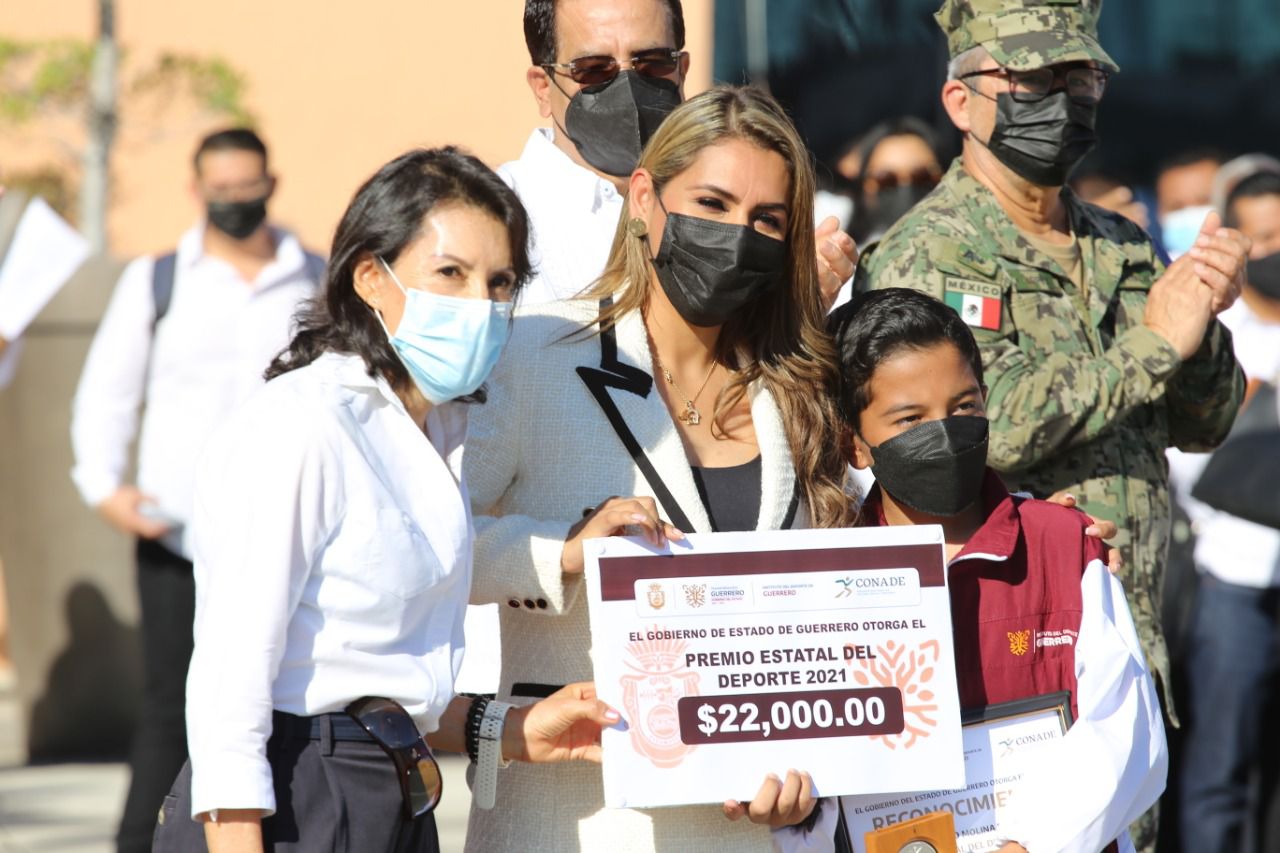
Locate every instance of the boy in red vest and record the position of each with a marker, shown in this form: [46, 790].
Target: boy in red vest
[913, 397]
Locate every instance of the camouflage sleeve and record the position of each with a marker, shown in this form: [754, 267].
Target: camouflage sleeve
[1040, 403]
[1044, 404]
[1205, 395]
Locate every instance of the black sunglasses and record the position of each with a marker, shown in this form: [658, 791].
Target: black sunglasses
[921, 177]
[391, 727]
[594, 70]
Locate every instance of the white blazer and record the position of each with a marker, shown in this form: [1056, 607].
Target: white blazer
[570, 422]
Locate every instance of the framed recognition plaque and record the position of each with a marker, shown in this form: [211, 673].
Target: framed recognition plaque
[1000, 743]
[933, 833]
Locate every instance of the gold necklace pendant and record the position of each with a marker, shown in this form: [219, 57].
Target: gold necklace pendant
[690, 416]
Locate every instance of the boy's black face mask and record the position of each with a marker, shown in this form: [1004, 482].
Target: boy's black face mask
[936, 467]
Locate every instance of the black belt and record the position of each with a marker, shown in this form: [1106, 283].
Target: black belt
[535, 691]
[341, 726]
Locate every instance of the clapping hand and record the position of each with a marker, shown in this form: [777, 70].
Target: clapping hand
[1219, 256]
[837, 257]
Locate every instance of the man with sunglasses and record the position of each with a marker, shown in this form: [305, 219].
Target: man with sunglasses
[606, 73]
[1097, 357]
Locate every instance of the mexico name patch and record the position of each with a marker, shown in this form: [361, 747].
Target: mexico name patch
[977, 302]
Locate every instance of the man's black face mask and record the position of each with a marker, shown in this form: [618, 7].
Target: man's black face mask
[610, 123]
[1043, 140]
[1263, 275]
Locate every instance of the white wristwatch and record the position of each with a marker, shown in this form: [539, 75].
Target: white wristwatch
[484, 790]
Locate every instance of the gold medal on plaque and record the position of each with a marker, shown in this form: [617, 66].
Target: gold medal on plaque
[933, 833]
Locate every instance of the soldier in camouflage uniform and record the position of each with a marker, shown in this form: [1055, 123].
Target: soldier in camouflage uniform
[1097, 358]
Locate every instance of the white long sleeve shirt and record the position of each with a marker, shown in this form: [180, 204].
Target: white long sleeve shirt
[1107, 769]
[205, 357]
[332, 561]
[573, 212]
[1231, 549]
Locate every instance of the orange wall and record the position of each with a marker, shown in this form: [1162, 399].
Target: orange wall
[337, 88]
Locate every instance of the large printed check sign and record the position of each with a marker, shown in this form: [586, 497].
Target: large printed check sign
[734, 655]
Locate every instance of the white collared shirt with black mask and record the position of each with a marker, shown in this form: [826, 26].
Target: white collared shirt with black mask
[204, 357]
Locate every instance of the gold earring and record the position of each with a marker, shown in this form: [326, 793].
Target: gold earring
[637, 227]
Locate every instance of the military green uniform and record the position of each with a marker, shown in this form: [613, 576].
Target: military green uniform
[1082, 396]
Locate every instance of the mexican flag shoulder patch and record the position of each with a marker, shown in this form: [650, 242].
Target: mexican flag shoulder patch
[977, 302]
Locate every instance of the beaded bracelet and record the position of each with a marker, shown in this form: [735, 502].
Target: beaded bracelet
[474, 715]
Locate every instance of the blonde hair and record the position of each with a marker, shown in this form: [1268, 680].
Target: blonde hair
[780, 336]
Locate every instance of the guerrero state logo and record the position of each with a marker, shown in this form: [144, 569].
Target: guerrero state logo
[650, 695]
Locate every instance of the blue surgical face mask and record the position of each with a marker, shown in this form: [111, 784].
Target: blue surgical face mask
[448, 345]
[1180, 228]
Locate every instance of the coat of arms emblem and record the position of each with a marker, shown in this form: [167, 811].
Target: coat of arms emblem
[649, 697]
[657, 598]
[1019, 642]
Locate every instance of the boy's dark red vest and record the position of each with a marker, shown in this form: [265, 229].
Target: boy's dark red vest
[1015, 597]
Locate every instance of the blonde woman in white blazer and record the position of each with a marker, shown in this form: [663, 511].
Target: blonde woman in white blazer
[711, 289]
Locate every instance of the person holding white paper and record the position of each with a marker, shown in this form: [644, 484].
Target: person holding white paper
[684, 386]
[1034, 609]
[333, 544]
[39, 252]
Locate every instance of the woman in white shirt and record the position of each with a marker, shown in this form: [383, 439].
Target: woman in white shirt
[333, 543]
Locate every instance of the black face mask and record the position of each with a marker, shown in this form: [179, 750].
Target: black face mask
[610, 123]
[1263, 275]
[1044, 140]
[237, 219]
[936, 467]
[711, 269]
[877, 213]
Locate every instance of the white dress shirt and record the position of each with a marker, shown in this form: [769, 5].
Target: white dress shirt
[1108, 768]
[573, 213]
[332, 561]
[205, 357]
[1231, 549]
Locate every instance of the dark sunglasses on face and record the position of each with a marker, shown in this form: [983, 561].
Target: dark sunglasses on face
[391, 727]
[922, 177]
[595, 70]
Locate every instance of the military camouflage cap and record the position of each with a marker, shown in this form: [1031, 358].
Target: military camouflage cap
[1025, 34]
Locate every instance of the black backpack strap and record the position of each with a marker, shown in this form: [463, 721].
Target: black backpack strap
[316, 267]
[162, 284]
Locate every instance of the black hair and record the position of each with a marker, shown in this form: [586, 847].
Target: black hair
[874, 326]
[1257, 184]
[898, 126]
[540, 28]
[1189, 157]
[231, 139]
[383, 219]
